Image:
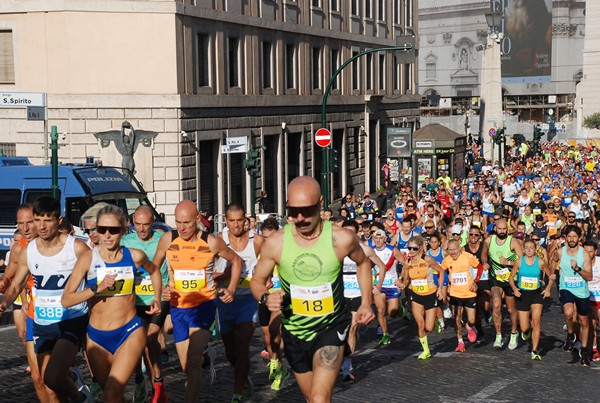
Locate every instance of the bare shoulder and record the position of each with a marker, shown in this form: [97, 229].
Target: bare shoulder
[80, 248]
[343, 237]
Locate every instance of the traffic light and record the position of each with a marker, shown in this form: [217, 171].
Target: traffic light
[537, 133]
[499, 137]
[252, 162]
[334, 162]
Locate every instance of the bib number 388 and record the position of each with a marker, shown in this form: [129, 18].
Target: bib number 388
[312, 301]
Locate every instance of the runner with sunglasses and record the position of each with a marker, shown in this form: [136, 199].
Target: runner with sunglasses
[115, 335]
[417, 276]
[309, 254]
[475, 247]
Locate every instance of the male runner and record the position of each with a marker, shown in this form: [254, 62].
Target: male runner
[309, 253]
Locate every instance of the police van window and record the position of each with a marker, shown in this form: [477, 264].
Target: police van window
[75, 207]
[10, 199]
[32, 194]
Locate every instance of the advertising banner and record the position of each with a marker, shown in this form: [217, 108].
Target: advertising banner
[399, 141]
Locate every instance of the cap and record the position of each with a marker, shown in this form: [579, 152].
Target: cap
[380, 232]
[539, 217]
[456, 229]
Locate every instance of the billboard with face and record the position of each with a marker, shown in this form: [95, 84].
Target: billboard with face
[527, 43]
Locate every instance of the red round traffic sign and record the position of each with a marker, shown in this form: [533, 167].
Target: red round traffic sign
[323, 137]
[492, 132]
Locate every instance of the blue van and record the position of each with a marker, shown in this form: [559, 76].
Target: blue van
[81, 186]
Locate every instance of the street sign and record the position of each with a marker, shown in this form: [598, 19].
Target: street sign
[36, 113]
[235, 145]
[21, 99]
[323, 137]
[492, 132]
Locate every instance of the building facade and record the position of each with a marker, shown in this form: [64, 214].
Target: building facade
[205, 71]
[452, 44]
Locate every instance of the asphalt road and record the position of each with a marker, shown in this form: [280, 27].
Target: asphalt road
[391, 373]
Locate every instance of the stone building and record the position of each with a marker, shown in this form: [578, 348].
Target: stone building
[203, 71]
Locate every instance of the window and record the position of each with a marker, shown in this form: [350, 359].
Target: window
[355, 10]
[355, 72]
[408, 13]
[7, 58]
[290, 66]
[267, 65]
[8, 149]
[430, 71]
[10, 199]
[368, 8]
[397, 11]
[335, 5]
[316, 68]
[369, 72]
[203, 55]
[335, 64]
[234, 62]
[397, 73]
[316, 3]
[381, 10]
[407, 79]
[382, 71]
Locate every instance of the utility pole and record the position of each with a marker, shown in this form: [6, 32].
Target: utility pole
[54, 160]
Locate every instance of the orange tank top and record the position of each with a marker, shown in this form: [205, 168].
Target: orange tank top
[30, 285]
[191, 268]
[421, 278]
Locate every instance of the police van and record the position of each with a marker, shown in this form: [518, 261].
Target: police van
[80, 187]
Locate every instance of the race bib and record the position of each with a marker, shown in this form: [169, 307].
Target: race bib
[420, 286]
[573, 282]
[276, 282]
[189, 280]
[123, 282]
[388, 281]
[537, 211]
[351, 282]
[502, 274]
[529, 283]
[551, 224]
[460, 279]
[50, 309]
[485, 275]
[594, 289]
[312, 301]
[143, 286]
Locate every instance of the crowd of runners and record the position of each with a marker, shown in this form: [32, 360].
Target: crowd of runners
[461, 252]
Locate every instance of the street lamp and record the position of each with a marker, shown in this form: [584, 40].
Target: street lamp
[494, 21]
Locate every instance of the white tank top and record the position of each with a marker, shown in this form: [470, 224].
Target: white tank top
[50, 274]
[250, 260]
[594, 284]
[351, 288]
[386, 254]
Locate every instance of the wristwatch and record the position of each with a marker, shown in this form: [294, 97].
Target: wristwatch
[263, 299]
[577, 269]
[94, 288]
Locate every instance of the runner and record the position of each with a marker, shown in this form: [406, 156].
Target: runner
[417, 275]
[57, 332]
[237, 319]
[575, 272]
[463, 289]
[115, 335]
[192, 289]
[475, 247]
[594, 286]
[146, 239]
[309, 253]
[502, 250]
[527, 272]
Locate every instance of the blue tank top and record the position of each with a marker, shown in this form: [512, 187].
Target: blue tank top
[528, 277]
[438, 258]
[569, 279]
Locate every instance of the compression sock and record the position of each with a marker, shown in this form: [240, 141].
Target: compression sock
[424, 343]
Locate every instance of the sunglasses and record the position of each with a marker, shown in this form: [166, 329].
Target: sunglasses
[535, 239]
[306, 211]
[413, 248]
[474, 235]
[88, 230]
[101, 229]
[571, 216]
[429, 227]
[455, 234]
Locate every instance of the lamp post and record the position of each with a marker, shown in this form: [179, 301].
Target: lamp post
[491, 80]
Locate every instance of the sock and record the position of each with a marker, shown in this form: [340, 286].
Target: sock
[275, 361]
[594, 347]
[139, 378]
[442, 324]
[424, 343]
[460, 340]
[156, 380]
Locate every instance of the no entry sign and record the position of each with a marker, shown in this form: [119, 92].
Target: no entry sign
[323, 137]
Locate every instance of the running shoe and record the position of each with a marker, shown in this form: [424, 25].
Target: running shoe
[265, 355]
[140, 394]
[81, 387]
[535, 355]
[248, 388]
[95, 389]
[349, 378]
[379, 331]
[498, 342]
[210, 354]
[513, 343]
[274, 369]
[570, 342]
[526, 335]
[471, 334]
[385, 339]
[438, 326]
[28, 369]
[584, 359]
[447, 312]
[480, 336]
[595, 355]
[425, 355]
[279, 381]
[460, 348]
[577, 345]
[236, 399]
[160, 393]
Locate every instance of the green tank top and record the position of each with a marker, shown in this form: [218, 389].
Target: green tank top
[144, 292]
[500, 272]
[528, 221]
[569, 279]
[313, 284]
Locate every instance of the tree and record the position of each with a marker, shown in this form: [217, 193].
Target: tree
[592, 121]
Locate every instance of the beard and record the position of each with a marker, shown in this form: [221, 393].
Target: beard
[503, 235]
